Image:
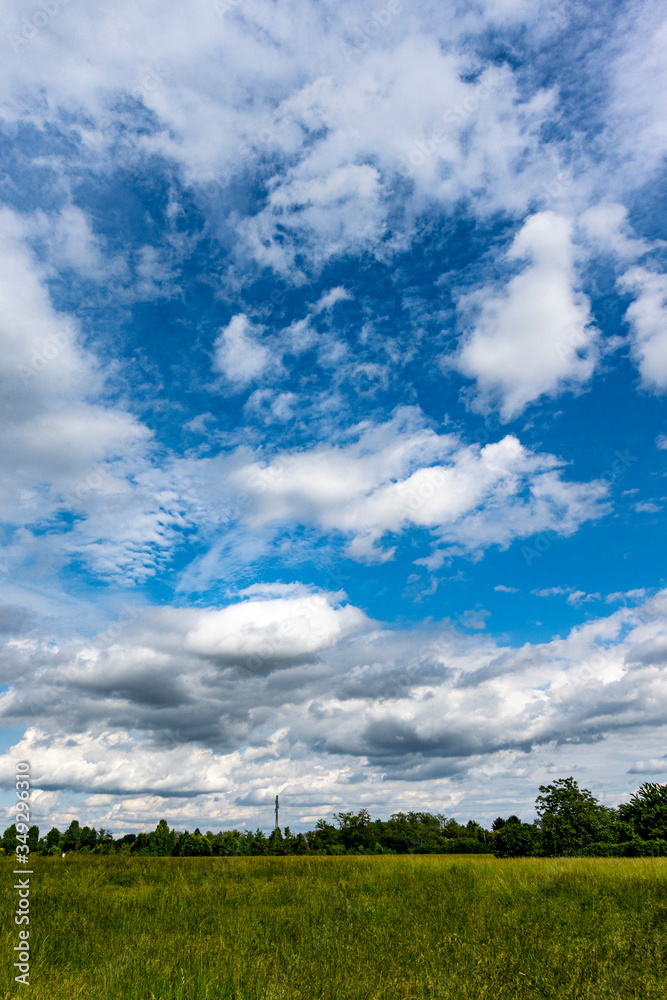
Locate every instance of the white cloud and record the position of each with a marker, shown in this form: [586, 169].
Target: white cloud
[502, 589]
[647, 317]
[535, 337]
[272, 406]
[638, 77]
[214, 711]
[401, 474]
[606, 227]
[574, 597]
[52, 435]
[276, 629]
[331, 298]
[238, 353]
[336, 127]
[630, 595]
[661, 442]
[331, 134]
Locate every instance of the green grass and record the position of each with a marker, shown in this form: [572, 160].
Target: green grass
[341, 928]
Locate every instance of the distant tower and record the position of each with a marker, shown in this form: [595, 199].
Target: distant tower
[276, 812]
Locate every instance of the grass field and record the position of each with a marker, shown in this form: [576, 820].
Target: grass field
[341, 928]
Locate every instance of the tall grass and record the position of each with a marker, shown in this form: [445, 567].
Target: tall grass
[341, 928]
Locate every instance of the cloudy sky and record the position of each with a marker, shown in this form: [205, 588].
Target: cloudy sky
[333, 361]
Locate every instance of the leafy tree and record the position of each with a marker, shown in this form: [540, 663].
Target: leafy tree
[325, 837]
[124, 844]
[300, 845]
[276, 844]
[72, 836]
[88, 837]
[570, 817]
[259, 843]
[451, 829]
[180, 843]
[9, 840]
[647, 811]
[54, 837]
[354, 829]
[514, 839]
[141, 845]
[474, 831]
[196, 846]
[105, 842]
[162, 840]
[33, 837]
[52, 841]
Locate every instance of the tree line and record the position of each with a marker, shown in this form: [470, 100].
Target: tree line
[570, 822]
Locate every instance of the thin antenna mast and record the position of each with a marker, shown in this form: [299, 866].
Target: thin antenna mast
[276, 812]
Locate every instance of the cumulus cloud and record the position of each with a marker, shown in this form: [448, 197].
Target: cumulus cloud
[606, 226]
[282, 161]
[171, 703]
[647, 317]
[52, 434]
[335, 128]
[239, 355]
[535, 337]
[469, 497]
[280, 628]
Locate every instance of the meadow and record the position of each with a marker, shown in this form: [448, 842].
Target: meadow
[341, 928]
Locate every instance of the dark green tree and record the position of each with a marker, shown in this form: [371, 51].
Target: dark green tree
[88, 837]
[570, 818]
[325, 838]
[104, 843]
[275, 843]
[300, 845]
[355, 830]
[514, 839]
[162, 840]
[53, 839]
[72, 836]
[196, 846]
[9, 840]
[141, 846]
[647, 811]
[259, 843]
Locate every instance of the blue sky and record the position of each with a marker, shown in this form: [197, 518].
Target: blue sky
[334, 362]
